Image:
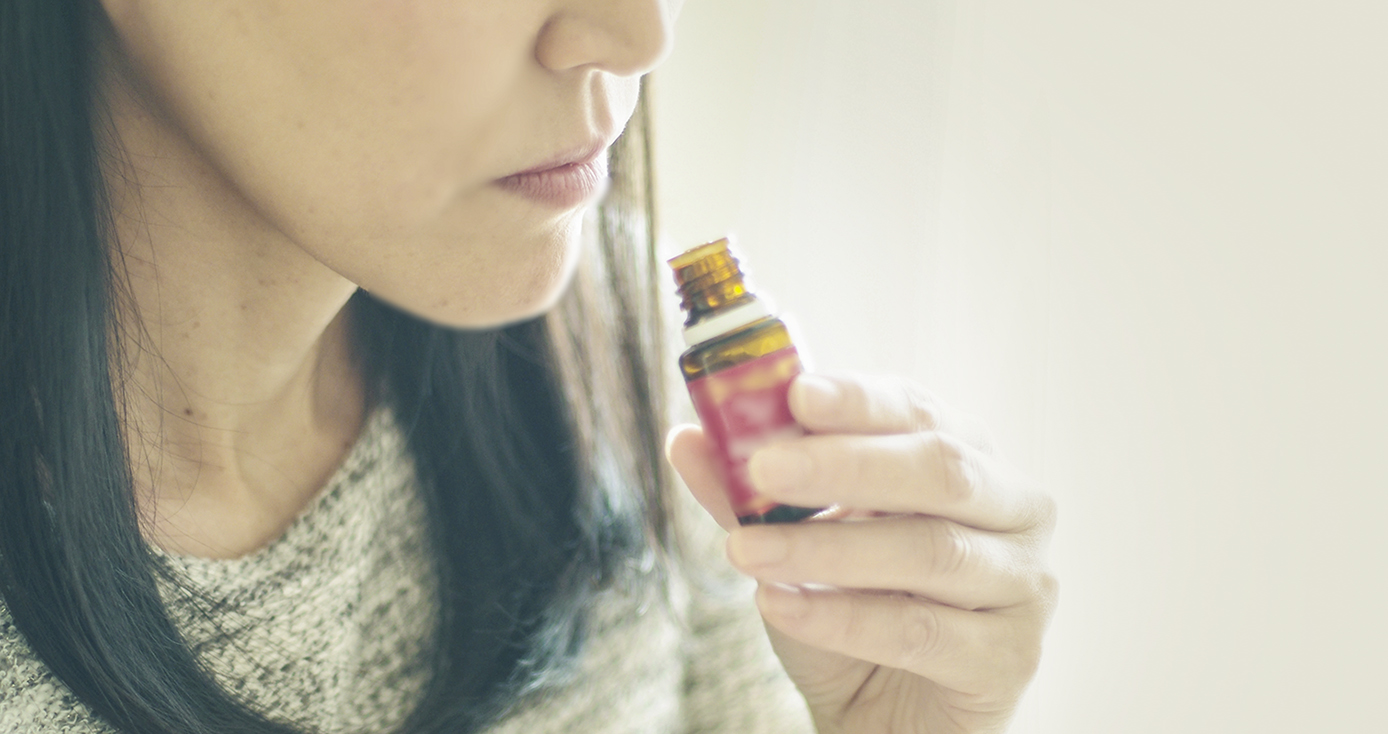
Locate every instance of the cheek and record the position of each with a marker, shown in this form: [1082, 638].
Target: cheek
[332, 116]
[368, 134]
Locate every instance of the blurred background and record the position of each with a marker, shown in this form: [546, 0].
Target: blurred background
[1148, 243]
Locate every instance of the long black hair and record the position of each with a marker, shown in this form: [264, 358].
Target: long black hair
[538, 499]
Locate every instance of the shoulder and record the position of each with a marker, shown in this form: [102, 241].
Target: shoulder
[32, 699]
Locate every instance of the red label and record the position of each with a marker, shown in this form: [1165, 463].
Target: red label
[744, 408]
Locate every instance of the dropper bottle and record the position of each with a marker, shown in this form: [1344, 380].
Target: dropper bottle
[738, 369]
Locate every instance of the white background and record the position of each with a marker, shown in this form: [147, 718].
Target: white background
[1145, 241]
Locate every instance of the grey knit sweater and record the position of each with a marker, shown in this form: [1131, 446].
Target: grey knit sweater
[326, 627]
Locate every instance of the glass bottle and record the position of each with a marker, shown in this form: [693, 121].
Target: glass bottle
[738, 369]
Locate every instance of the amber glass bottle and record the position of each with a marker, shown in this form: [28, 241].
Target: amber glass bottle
[738, 368]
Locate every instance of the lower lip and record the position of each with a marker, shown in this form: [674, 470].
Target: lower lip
[562, 187]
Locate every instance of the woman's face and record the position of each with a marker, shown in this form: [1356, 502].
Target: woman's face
[384, 137]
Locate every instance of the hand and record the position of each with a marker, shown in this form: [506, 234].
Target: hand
[918, 604]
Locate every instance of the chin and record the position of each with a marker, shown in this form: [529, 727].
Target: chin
[490, 304]
[513, 314]
[493, 282]
[470, 319]
[500, 310]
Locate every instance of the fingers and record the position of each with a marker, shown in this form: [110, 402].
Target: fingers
[926, 472]
[969, 652]
[692, 455]
[827, 403]
[824, 403]
[928, 557]
[695, 459]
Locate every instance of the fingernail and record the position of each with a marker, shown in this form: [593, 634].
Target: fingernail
[757, 547]
[778, 468]
[786, 602]
[817, 395]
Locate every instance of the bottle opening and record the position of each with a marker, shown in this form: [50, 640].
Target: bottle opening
[709, 278]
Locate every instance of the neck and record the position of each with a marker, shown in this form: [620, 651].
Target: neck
[240, 392]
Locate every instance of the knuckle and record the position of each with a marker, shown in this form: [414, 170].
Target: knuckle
[979, 434]
[1047, 512]
[854, 625]
[845, 623]
[922, 409]
[956, 471]
[949, 552]
[923, 639]
[1047, 590]
[1037, 510]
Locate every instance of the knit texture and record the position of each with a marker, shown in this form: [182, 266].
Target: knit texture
[326, 628]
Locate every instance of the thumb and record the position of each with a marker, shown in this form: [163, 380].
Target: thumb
[696, 460]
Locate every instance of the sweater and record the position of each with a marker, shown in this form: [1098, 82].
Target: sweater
[327, 627]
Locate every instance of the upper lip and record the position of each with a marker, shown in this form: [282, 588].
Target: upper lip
[585, 153]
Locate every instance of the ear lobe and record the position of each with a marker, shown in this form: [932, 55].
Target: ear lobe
[694, 458]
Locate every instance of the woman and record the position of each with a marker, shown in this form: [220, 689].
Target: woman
[311, 425]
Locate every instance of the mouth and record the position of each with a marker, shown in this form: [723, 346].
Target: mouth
[566, 181]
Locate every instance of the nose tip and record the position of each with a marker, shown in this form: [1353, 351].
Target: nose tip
[622, 37]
